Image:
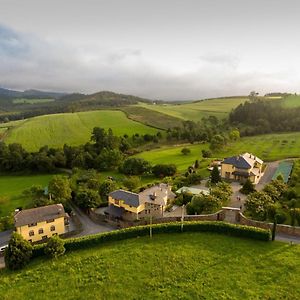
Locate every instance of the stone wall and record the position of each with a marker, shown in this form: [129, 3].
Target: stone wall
[280, 228]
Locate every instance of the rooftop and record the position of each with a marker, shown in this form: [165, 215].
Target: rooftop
[39, 214]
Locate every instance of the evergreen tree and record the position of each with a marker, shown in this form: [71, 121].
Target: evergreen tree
[215, 176]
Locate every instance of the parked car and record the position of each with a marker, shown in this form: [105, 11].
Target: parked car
[2, 249]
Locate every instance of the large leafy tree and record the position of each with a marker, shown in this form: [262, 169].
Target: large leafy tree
[87, 199]
[135, 166]
[59, 188]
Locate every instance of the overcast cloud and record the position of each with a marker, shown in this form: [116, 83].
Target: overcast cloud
[157, 49]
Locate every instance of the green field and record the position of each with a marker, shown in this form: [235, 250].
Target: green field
[31, 101]
[173, 155]
[197, 110]
[268, 147]
[70, 128]
[11, 188]
[174, 266]
[291, 101]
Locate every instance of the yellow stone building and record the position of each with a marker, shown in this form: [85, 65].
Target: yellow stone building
[37, 224]
[242, 167]
[132, 206]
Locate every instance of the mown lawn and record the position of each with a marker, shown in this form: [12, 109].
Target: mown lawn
[173, 155]
[71, 128]
[291, 101]
[174, 266]
[11, 188]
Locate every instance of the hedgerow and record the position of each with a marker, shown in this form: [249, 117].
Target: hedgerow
[175, 227]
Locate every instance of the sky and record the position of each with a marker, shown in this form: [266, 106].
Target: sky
[158, 49]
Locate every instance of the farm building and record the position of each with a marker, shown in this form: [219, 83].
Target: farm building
[242, 167]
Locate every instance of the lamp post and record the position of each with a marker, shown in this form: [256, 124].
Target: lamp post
[182, 217]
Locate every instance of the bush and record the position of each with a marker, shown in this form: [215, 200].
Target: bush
[55, 247]
[162, 170]
[175, 227]
[135, 166]
[185, 151]
[206, 153]
[18, 252]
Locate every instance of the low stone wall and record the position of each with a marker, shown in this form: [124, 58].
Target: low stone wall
[218, 216]
[280, 228]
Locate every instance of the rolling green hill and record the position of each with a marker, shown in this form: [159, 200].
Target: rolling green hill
[291, 101]
[69, 128]
[174, 266]
[195, 111]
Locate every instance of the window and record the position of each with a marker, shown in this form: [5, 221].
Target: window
[50, 221]
[32, 224]
[31, 233]
[41, 231]
[52, 228]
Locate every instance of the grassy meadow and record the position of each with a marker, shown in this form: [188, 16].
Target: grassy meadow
[12, 186]
[291, 101]
[174, 266]
[70, 128]
[195, 111]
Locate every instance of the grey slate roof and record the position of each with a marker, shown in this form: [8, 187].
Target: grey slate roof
[129, 198]
[39, 214]
[237, 161]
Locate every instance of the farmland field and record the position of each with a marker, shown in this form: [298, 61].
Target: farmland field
[174, 266]
[71, 128]
[11, 188]
[291, 101]
[197, 110]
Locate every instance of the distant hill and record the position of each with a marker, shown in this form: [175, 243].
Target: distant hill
[29, 94]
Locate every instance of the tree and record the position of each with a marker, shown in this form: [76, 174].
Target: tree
[135, 166]
[203, 204]
[215, 176]
[196, 164]
[234, 135]
[248, 187]
[222, 191]
[59, 188]
[217, 142]
[206, 153]
[185, 151]
[55, 247]
[87, 198]
[162, 170]
[18, 252]
[258, 204]
[105, 188]
[132, 182]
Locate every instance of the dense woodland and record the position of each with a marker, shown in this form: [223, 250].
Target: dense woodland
[260, 117]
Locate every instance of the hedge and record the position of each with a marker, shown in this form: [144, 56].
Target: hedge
[175, 227]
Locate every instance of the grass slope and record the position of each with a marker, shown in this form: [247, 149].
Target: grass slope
[151, 117]
[11, 188]
[70, 128]
[176, 266]
[291, 101]
[197, 110]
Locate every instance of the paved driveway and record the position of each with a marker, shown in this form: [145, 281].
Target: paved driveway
[5, 237]
[90, 227]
